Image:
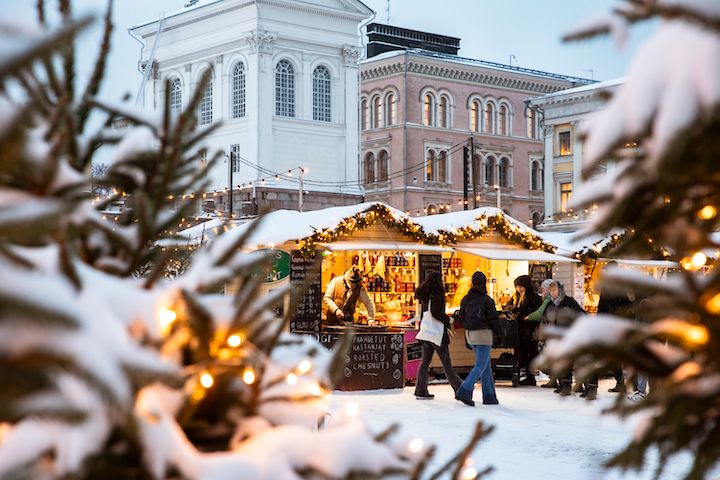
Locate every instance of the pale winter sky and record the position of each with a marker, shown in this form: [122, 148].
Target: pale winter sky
[490, 30]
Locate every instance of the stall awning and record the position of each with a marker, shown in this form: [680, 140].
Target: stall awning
[642, 263]
[515, 254]
[409, 246]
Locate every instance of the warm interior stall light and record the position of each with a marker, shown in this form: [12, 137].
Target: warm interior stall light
[248, 375]
[206, 380]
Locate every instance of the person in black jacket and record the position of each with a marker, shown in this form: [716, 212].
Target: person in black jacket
[432, 294]
[476, 312]
[562, 311]
[523, 303]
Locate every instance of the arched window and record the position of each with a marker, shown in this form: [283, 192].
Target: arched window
[531, 124]
[205, 109]
[504, 172]
[503, 120]
[477, 169]
[430, 170]
[443, 111]
[377, 112]
[369, 168]
[442, 167]
[284, 89]
[429, 110]
[475, 116]
[383, 165]
[390, 109]
[489, 125]
[175, 96]
[321, 94]
[238, 90]
[536, 176]
[364, 115]
[490, 171]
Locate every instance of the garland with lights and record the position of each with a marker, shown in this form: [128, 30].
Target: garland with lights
[484, 225]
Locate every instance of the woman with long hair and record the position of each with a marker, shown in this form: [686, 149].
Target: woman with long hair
[431, 295]
[523, 303]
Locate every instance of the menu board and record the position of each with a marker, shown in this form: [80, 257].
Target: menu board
[374, 361]
[307, 317]
[429, 262]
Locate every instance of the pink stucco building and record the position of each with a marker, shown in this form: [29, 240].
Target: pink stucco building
[421, 104]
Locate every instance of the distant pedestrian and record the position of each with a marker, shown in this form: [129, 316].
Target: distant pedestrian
[477, 309]
[561, 311]
[431, 294]
[523, 303]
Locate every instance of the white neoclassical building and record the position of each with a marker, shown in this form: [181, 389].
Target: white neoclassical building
[284, 84]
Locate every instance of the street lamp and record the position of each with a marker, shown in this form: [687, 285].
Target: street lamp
[497, 192]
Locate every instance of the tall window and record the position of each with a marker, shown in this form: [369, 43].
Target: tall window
[504, 172]
[442, 167]
[443, 112]
[321, 94]
[203, 161]
[565, 148]
[383, 165]
[489, 126]
[235, 158]
[565, 195]
[503, 120]
[369, 168]
[428, 110]
[284, 89]
[475, 116]
[364, 115]
[390, 109]
[536, 176]
[205, 109]
[430, 171]
[377, 112]
[490, 171]
[238, 90]
[175, 96]
[531, 124]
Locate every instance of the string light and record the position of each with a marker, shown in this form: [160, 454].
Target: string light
[291, 379]
[315, 390]
[234, 340]
[697, 334]
[248, 375]
[708, 212]
[304, 367]
[167, 318]
[699, 260]
[713, 305]
[469, 473]
[206, 380]
[416, 445]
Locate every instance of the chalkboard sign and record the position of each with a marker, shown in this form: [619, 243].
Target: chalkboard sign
[307, 318]
[413, 351]
[429, 262]
[374, 361]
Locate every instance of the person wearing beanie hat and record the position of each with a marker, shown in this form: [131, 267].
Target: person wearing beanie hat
[539, 314]
[341, 296]
[476, 312]
[522, 304]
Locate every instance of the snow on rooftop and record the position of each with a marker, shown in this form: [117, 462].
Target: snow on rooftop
[598, 86]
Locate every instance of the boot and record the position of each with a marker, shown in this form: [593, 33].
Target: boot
[590, 392]
[618, 388]
[565, 389]
[579, 388]
[528, 381]
[552, 383]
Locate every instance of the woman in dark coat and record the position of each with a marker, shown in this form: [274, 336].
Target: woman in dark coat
[562, 311]
[523, 303]
[432, 293]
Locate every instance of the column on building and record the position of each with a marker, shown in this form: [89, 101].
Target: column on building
[261, 97]
[351, 87]
[549, 170]
[577, 156]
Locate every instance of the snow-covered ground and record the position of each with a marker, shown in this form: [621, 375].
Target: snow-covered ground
[538, 435]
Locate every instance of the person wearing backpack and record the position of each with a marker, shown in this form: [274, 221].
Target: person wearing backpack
[476, 312]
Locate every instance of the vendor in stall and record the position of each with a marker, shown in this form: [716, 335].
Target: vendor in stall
[341, 298]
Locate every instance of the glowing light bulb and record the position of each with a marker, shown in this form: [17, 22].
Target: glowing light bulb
[291, 379]
[206, 380]
[315, 389]
[415, 445]
[248, 375]
[708, 212]
[697, 334]
[304, 366]
[352, 409]
[167, 317]
[234, 340]
[699, 259]
[469, 473]
[713, 305]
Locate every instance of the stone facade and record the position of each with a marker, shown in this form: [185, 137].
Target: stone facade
[284, 85]
[419, 108]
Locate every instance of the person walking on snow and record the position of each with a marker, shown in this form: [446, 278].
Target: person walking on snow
[431, 294]
[477, 309]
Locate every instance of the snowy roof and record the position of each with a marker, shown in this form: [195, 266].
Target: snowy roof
[480, 63]
[593, 87]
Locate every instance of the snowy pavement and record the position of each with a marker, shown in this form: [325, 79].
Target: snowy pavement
[538, 435]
